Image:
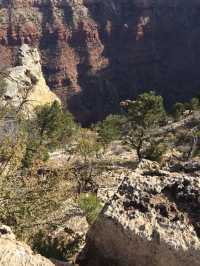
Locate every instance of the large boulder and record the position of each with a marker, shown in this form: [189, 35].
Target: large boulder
[14, 253]
[152, 220]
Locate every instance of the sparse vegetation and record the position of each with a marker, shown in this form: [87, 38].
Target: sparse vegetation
[90, 205]
[49, 129]
[31, 190]
[62, 246]
[87, 144]
[144, 116]
[111, 128]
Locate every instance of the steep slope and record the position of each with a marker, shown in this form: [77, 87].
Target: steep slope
[96, 53]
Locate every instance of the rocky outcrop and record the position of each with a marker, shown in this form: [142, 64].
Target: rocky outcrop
[153, 219]
[14, 253]
[25, 86]
[96, 53]
[192, 166]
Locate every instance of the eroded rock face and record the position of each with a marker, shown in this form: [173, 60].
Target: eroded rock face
[96, 53]
[153, 219]
[25, 85]
[14, 253]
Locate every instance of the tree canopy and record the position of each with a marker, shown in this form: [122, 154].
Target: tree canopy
[144, 115]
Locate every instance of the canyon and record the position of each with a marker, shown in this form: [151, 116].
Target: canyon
[97, 53]
[78, 195]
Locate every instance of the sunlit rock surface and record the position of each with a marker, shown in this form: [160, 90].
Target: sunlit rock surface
[25, 85]
[14, 253]
[153, 219]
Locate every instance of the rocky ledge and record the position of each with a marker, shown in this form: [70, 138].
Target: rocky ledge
[152, 220]
[14, 253]
[25, 85]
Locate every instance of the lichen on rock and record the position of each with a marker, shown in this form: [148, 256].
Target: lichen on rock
[153, 219]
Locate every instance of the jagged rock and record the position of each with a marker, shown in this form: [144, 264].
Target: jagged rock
[14, 253]
[187, 167]
[148, 167]
[25, 82]
[152, 219]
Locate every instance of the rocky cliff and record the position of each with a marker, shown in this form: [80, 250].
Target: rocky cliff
[24, 84]
[152, 220]
[97, 52]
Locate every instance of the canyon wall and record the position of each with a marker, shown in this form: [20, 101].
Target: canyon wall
[97, 52]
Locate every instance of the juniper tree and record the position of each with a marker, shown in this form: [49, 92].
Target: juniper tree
[110, 128]
[145, 114]
[48, 130]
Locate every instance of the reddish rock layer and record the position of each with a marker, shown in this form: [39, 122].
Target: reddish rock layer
[96, 53]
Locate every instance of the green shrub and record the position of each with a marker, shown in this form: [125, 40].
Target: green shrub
[51, 128]
[110, 129]
[90, 205]
[155, 151]
[60, 246]
[178, 110]
[145, 115]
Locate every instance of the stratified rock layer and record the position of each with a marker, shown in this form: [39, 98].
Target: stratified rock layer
[14, 253]
[97, 52]
[152, 220]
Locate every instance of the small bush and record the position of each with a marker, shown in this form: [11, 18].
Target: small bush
[155, 151]
[110, 129]
[90, 205]
[178, 110]
[61, 246]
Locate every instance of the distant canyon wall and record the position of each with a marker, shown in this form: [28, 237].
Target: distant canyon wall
[97, 52]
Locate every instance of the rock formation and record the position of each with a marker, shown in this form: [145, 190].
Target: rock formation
[96, 53]
[25, 85]
[14, 253]
[152, 220]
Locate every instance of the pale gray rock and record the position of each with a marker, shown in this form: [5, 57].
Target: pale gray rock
[25, 82]
[15, 253]
[152, 220]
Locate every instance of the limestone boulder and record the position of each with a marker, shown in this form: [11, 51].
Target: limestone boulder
[152, 220]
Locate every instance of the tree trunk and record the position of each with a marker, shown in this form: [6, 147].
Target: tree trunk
[193, 147]
[139, 148]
